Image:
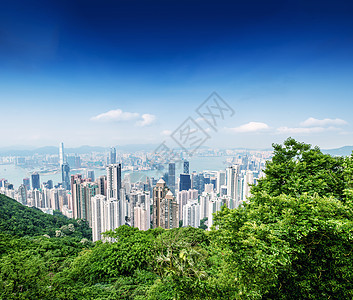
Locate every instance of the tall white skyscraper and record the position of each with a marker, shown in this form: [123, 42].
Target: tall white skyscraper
[248, 179]
[221, 180]
[233, 185]
[204, 200]
[141, 200]
[105, 214]
[113, 181]
[112, 156]
[22, 194]
[213, 206]
[140, 217]
[97, 215]
[191, 214]
[61, 154]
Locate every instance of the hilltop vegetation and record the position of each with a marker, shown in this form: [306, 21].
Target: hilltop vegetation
[293, 240]
[19, 220]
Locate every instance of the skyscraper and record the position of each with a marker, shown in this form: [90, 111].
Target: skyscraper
[186, 167]
[113, 181]
[141, 200]
[26, 183]
[191, 214]
[185, 182]
[102, 185]
[221, 180]
[165, 207]
[90, 175]
[81, 193]
[61, 154]
[35, 181]
[248, 179]
[65, 175]
[233, 185]
[112, 155]
[171, 177]
[22, 194]
[106, 214]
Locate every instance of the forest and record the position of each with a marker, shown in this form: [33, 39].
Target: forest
[293, 239]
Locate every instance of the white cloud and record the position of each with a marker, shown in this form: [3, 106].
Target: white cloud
[116, 115]
[312, 122]
[147, 119]
[250, 127]
[304, 130]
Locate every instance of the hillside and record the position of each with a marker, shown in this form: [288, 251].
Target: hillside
[17, 219]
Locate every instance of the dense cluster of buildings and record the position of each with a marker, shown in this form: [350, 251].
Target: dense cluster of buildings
[110, 201]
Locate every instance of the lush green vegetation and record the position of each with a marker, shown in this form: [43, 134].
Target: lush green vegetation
[19, 220]
[293, 240]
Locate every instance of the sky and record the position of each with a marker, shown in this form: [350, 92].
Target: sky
[105, 73]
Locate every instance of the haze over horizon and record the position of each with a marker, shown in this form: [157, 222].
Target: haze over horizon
[130, 72]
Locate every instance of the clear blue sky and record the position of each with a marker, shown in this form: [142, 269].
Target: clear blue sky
[286, 67]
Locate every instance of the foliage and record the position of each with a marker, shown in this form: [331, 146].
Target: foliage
[21, 220]
[293, 239]
[202, 223]
[297, 168]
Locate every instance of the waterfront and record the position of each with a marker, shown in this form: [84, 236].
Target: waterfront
[15, 174]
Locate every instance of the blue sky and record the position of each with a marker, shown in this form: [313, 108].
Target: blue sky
[286, 67]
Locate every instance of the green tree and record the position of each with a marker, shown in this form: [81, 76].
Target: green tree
[293, 239]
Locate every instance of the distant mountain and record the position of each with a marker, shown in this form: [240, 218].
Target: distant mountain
[137, 147]
[343, 151]
[51, 150]
[84, 149]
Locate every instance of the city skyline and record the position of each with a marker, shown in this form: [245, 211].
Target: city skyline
[103, 75]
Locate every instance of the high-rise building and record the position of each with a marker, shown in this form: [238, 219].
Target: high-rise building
[97, 217]
[81, 194]
[113, 181]
[102, 185]
[191, 214]
[140, 218]
[209, 188]
[221, 180]
[90, 175]
[112, 156]
[54, 199]
[165, 207]
[204, 200]
[3, 182]
[171, 177]
[38, 199]
[65, 176]
[214, 206]
[233, 185]
[35, 181]
[248, 180]
[105, 215]
[186, 167]
[22, 194]
[185, 182]
[61, 154]
[140, 199]
[49, 184]
[183, 197]
[26, 183]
